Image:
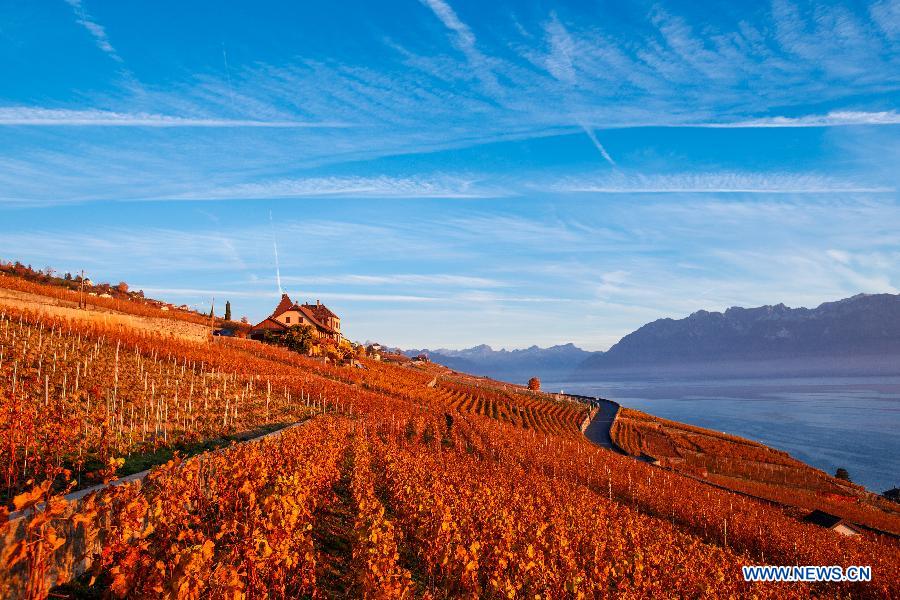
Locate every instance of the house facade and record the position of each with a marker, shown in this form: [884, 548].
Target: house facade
[287, 314]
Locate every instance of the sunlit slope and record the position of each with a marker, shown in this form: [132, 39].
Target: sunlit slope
[749, 467]
[409, 481]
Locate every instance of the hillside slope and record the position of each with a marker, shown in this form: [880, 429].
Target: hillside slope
[749, 467]
[61, 307]
[410, 480]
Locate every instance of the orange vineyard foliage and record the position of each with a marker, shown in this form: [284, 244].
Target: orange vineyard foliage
[74, 395]
[375, 554]
[749, 467]
[458, 487]
[234, 522]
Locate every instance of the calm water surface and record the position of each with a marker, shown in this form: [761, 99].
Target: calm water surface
[849, 422]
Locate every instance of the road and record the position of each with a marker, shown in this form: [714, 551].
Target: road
[598, 430]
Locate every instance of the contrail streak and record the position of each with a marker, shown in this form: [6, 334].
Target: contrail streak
[228, 75]
[597, 144]
[275, 245]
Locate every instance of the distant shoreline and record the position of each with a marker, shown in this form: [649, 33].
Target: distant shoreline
[830, 366]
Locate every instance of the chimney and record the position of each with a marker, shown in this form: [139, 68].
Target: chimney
[318, 303]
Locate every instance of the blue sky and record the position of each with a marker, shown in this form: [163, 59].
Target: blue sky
[447, 173]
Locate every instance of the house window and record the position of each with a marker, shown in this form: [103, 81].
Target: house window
[287, 319]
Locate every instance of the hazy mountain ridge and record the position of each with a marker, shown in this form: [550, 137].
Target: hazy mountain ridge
[841, 332]
[860, 334]
[512, 365]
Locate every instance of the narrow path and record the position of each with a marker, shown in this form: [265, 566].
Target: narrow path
[63, 566]
[76, 496]
[598, 429]
[333, 537]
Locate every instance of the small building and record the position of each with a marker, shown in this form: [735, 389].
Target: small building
[287, 314]
[650, 460]
[832, 522]
[395, 358]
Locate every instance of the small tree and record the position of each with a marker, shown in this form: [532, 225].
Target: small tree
[212, 314]
[534, 384]
[333, 352]
[245, 320]
[228, 310]
[842, 473]
[122, 288]
[299, 338]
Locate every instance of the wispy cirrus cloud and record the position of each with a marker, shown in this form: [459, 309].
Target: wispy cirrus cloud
[156, 249]
[555, 75]
[56, 179]
[832, 119]
[400, 279]
[465, 42]
[714, 183]
[298, 294]
[371, 187]
[560, 63]
[49, 117]
[97, 31]
[559, 58]
[886, 14]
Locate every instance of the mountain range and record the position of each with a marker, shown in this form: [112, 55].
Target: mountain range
[517, 366]
[857, 335]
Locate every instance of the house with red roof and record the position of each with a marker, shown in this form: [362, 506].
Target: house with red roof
[287, 314]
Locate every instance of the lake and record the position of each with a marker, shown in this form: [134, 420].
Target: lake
[850, 422]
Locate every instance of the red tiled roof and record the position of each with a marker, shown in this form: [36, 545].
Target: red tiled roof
[270, 324]
[321, 310]
[309, 315]
[283, 306]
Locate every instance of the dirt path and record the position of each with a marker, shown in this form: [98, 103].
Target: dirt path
[64, 308]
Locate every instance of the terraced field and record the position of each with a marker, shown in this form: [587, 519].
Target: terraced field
[525, 410]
